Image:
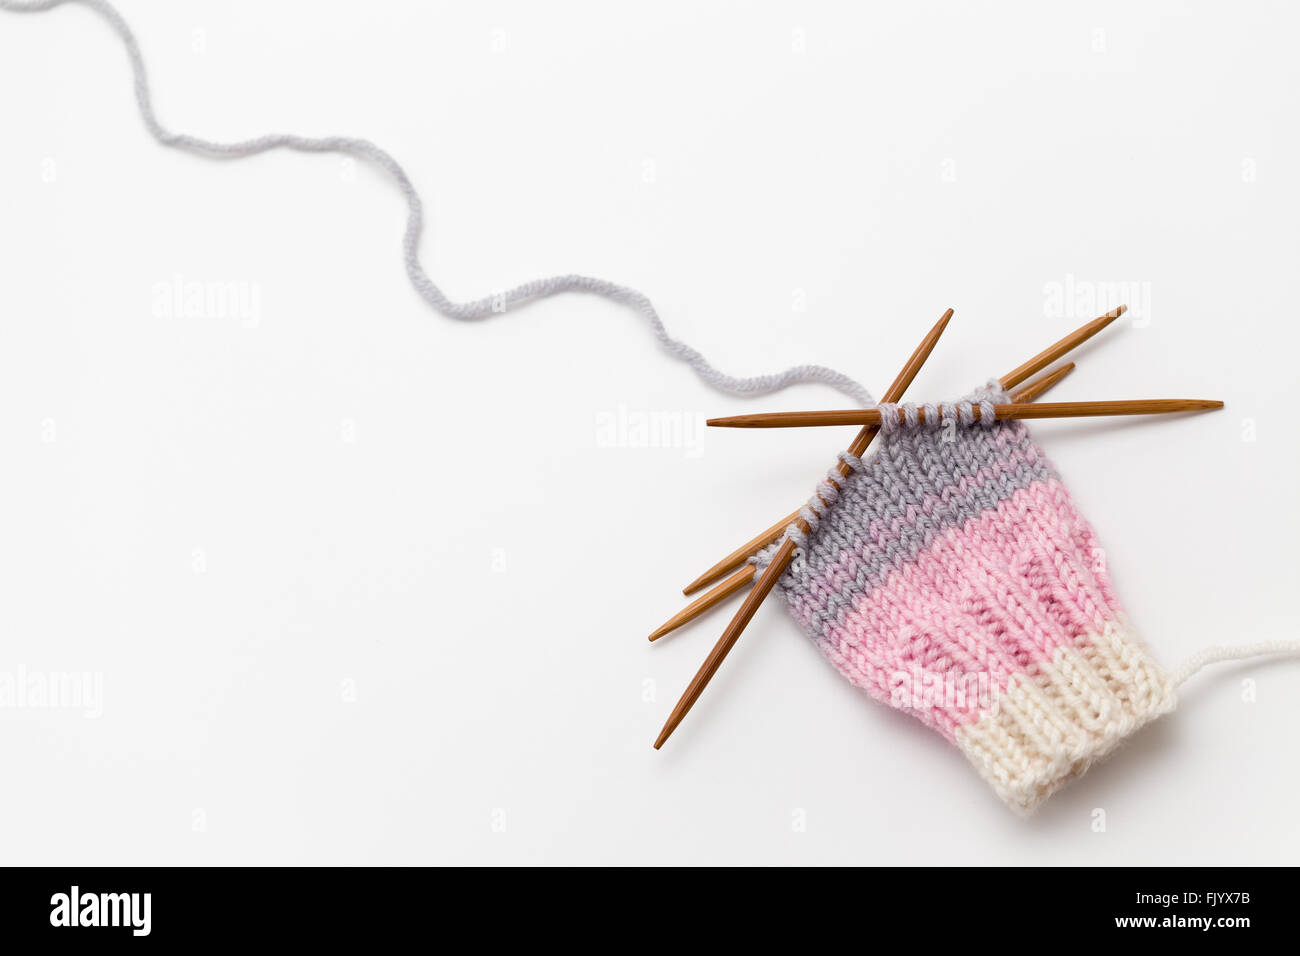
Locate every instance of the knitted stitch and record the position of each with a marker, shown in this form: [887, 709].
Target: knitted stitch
[952, 577]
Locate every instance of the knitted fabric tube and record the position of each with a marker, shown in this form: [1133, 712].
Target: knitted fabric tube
[951, 577]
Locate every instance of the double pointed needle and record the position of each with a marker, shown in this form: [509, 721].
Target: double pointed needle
[741, 578]
[783, 555]
[1014, 378]
[781, 560]
[872, 416]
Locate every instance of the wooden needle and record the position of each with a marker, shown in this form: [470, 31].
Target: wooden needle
[1055, 351]
[1039, 385]
[872, 416]
[705, 601]
[1014, 378]
[741, 554]
[783, 555]
[745, 575]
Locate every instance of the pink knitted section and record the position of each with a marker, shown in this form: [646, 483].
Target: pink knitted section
[880, 533]
[983, 602]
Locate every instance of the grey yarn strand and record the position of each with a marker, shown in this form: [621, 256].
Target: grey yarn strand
[477, 308]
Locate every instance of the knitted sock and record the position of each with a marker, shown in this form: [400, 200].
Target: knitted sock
[952, 577]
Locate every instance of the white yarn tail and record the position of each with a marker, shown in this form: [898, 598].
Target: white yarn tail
[477, 308]
[1213, 655]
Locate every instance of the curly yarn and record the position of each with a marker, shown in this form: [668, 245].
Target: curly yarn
[470, 310]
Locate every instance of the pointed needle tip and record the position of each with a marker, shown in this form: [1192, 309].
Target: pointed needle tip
[1111, 316]
[1099, 323]
[698, 583]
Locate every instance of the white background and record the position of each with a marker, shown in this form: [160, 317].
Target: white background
[367, 585]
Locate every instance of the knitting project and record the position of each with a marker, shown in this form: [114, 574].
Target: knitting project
[952, 577]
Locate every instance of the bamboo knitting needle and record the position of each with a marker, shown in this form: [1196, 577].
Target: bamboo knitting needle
[1054, 352]
[741, 554]
[872, 416]
[741, 578]
[781, 560]
[708, 599]
[1040, 385]
[786, 551]
[1014, 378]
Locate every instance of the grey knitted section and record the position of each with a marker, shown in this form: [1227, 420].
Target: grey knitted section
[922, 481]
[481, 308]
[908, 532]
